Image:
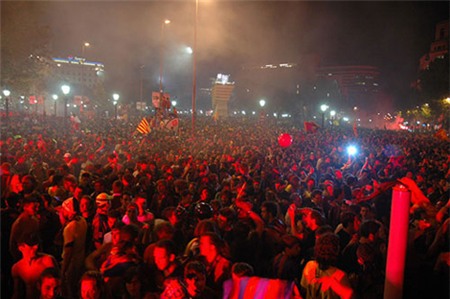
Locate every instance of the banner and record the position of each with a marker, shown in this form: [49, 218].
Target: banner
[140, 106]
[166, 101]
[156, 99]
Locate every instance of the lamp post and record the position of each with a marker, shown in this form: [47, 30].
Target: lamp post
[55, 98]
[7, 93]
[161, 62]
[65, 89]
[332, 115]
[323, 108]
[141, 83]
[116, 99]
[262, 103]
[194, 68]
[83, 48]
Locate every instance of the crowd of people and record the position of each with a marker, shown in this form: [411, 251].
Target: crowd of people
[98, 210]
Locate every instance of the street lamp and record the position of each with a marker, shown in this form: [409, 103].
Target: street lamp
[65, 89]
[116, 99]
[55, 98]
[174, 103]
[7, 93]
[323, 108]
[83, 48]
[194, 68]
[332, 115]
[262, 103]
[161, 63]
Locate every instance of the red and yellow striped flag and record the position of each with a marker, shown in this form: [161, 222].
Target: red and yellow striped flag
[144, 127]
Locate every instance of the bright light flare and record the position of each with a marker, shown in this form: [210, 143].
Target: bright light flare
[352, 150]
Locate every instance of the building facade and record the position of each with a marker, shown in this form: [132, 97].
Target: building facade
[80, 72]
[438, 48]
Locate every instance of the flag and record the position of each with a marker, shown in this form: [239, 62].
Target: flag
[33, 100]
[310, 126]
[441, 134]
[144, 127]
[355, 129]
[258, 287]
[172, 124]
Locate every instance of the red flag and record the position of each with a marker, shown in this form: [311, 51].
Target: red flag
[441, 134]
[310, 126]
[32, 100]
[355, 129]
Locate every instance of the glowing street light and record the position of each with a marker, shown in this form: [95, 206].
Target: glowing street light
[7, 93]
[332, 115]
[323, 108]
[55, 98]
[262, 103]
[65, 89]
[116, 99]
[174, 103]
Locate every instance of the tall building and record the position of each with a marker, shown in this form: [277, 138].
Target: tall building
[349, 86]
[438, 48]
[220, 95]
[285, 86]
[301, 88]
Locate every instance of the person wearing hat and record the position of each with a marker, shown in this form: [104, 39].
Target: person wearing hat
[26, 223]
[29, 268]
[100, 222]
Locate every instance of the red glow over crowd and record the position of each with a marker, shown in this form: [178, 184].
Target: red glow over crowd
[239, 208]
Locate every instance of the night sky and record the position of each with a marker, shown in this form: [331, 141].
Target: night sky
[126, 35]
